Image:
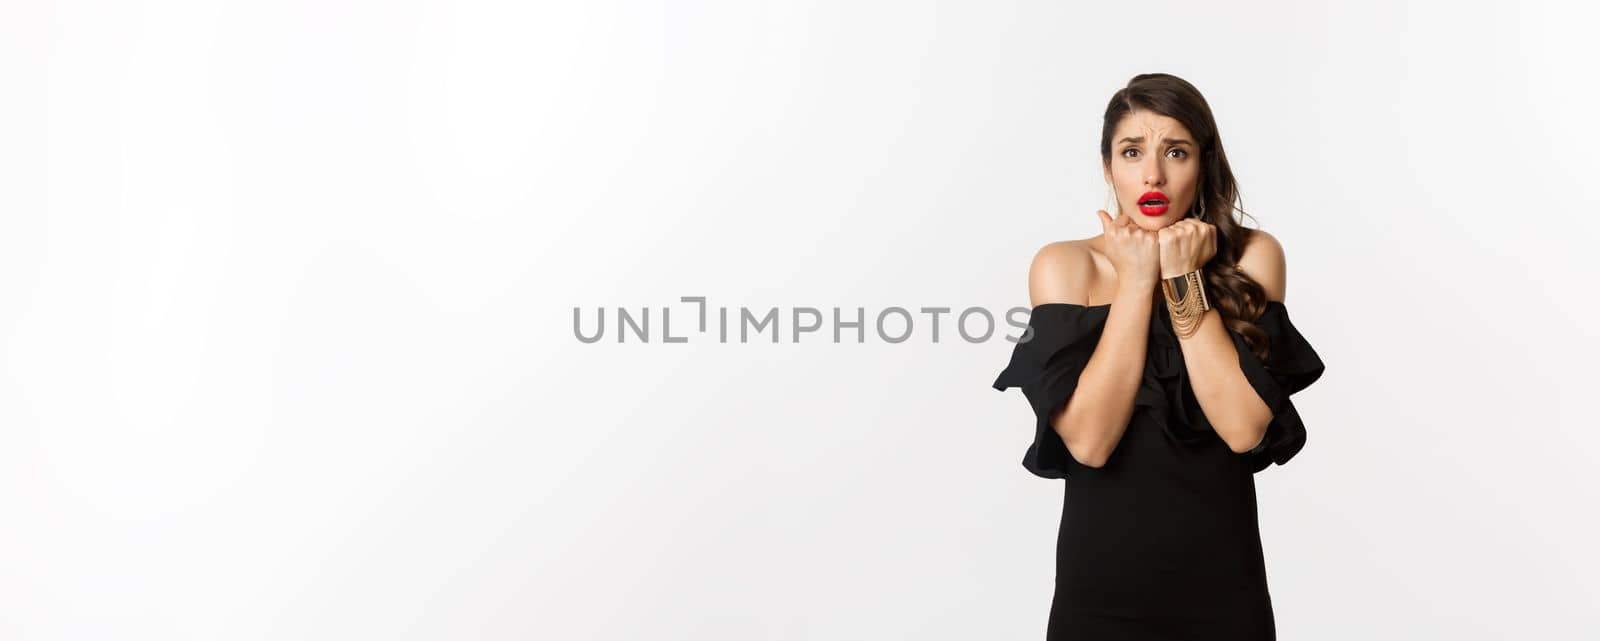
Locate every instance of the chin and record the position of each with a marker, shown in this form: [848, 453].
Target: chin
[1158, 222]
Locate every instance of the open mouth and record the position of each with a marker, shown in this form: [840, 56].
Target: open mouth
[1153, 203]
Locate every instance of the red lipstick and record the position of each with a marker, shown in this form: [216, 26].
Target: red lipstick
[1153, 203]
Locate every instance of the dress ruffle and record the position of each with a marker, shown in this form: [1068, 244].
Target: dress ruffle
[1046, 363]
[1291, 366]
[1048, 359]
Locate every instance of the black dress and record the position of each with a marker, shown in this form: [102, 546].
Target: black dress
[1161, 542]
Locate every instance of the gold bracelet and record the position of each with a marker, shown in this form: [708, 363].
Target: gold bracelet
[1188, 311]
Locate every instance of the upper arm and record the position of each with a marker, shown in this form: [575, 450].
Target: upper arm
[1062, 272]
[1264, 263]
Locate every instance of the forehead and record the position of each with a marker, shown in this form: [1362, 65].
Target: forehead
[1150, 125]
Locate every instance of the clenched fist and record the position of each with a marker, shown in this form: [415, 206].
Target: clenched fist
[1186, 245]
[1134, 252]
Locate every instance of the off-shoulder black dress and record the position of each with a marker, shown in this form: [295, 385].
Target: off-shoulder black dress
[1161, 542]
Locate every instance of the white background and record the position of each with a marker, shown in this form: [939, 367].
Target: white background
[288, 288]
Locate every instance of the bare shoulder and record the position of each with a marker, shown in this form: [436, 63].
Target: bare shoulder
[1062, 272]
[1262, 259]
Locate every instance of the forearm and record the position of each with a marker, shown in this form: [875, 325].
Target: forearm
[1095, 417]
[1232, 406]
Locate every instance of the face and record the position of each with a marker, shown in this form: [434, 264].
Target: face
[1153, 153]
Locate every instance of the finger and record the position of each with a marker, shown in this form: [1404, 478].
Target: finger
[1105, 220]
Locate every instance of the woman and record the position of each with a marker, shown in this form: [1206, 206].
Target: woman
[1159, 361]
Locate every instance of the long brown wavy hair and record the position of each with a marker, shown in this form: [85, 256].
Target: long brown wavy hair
[1238, 298]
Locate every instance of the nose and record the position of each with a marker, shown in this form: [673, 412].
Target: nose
[1154, 175]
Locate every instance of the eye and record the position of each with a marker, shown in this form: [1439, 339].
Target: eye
[1182, 153]
[1132, 149]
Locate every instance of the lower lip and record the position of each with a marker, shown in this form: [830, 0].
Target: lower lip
[1153, 210]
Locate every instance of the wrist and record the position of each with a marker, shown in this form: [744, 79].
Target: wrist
[1138, 286]
[1167, 275]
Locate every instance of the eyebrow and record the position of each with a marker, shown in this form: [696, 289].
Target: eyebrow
[1167, 141]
